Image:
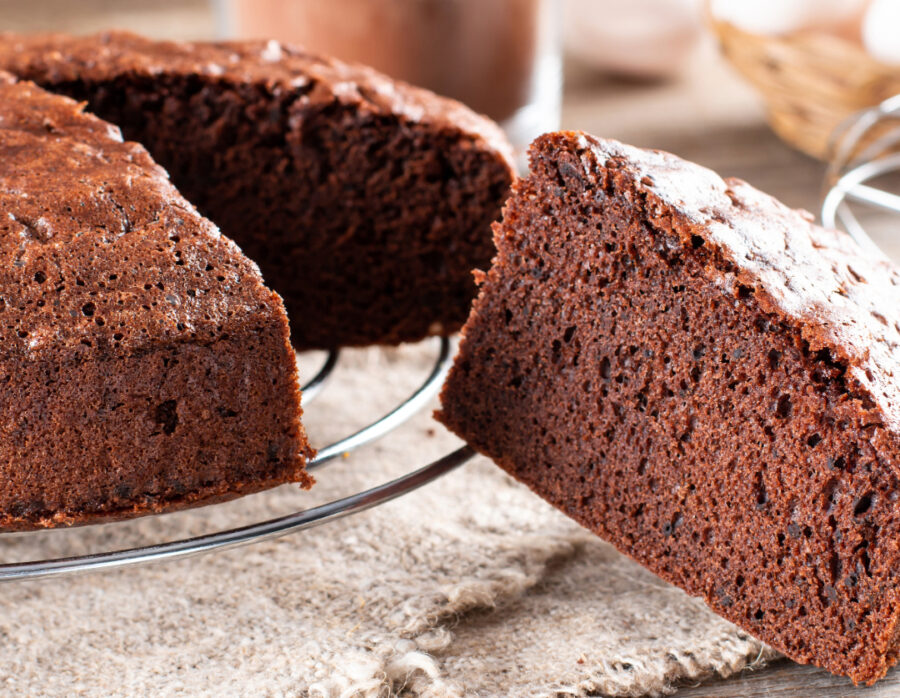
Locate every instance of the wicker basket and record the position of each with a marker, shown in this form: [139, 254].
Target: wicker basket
[811, 82]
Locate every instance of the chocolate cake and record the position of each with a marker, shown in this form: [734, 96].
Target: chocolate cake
[365, 202]
[705, 379]
[144, 366]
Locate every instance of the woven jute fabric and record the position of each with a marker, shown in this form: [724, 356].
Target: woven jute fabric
[469, 586]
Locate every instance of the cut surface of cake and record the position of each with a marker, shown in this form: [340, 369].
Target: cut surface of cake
[144, 365]
[707, 380]
[366, 202]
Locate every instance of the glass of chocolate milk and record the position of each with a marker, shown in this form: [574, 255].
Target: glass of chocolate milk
[500, 57]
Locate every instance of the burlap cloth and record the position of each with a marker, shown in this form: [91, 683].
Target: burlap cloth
[470, 586]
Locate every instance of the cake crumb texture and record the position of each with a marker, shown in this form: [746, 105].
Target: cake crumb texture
[704, 378]
[366, 202]
[144, 365]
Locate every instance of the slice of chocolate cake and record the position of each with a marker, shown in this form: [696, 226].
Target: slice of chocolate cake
[365, 202]
[144, 366]
[705, 379]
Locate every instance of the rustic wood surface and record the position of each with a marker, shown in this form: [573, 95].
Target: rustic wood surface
[708, 115]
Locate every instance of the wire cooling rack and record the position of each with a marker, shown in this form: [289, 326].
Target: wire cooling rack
[291, 523]
[864, 151]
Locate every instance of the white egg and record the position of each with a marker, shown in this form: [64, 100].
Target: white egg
[773, 17]
[648, 38]
[881, 30]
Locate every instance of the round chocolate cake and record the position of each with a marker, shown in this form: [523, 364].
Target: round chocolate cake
[366, 202]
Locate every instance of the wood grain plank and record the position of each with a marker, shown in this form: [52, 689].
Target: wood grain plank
[785, 679]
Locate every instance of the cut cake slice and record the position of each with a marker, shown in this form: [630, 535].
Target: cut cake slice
[144, 365]
[705, 379]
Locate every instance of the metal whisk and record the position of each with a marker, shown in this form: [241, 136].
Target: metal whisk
[864, 150]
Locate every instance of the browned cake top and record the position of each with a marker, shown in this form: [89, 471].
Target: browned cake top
[841, 297]
[98, 251]
[278, 67]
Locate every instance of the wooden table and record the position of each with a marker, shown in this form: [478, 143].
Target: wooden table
[708, 115]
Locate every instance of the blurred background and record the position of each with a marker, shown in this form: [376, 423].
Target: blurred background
[751, 89]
